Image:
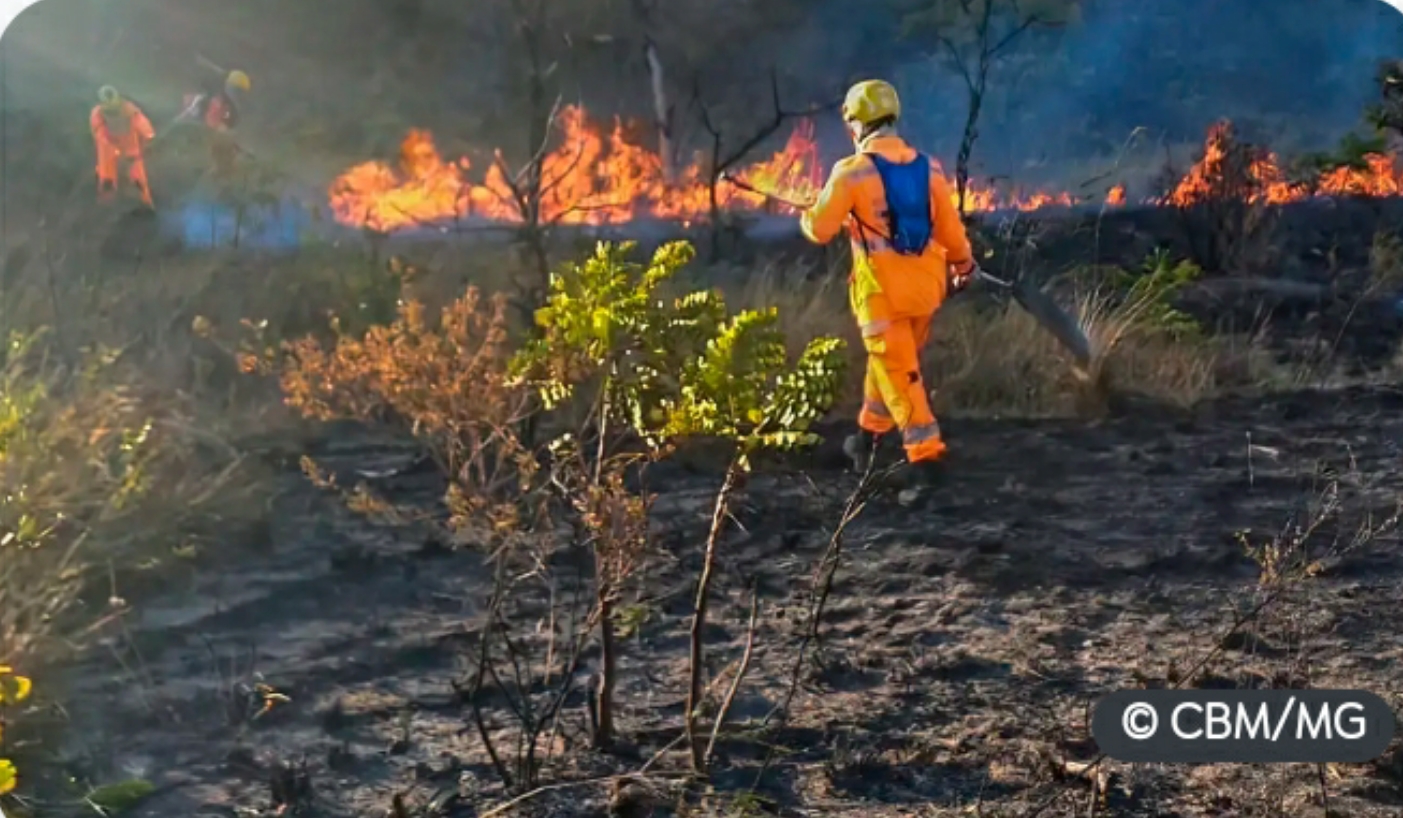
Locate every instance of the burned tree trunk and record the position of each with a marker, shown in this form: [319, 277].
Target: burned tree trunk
[662, 113]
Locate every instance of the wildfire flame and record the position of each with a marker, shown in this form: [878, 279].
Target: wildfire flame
[590, 178]
[1229, 168]
[598, 177]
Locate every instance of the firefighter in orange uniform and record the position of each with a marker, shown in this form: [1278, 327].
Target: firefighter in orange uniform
[216, 106]
[120, 131]
[910, 251]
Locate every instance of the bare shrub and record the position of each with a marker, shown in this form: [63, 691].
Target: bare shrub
[1385, 263]
[534, 631]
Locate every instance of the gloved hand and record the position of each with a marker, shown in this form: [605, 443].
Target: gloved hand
[961, 275]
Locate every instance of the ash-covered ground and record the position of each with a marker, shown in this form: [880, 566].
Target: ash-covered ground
[965, 640]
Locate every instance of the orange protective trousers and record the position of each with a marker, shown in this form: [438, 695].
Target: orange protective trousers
[893, 391]
[107, 165]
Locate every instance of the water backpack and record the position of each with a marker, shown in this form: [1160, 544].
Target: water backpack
[907, 187]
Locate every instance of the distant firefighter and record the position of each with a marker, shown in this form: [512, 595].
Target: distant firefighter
[216, 104]
[120, 131]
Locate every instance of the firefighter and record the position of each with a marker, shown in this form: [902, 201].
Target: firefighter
[910, 251]
[216, 105]
[120, 131]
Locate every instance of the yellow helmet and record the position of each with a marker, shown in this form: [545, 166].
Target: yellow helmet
[869, 101]
[237, 79]
[108, 96]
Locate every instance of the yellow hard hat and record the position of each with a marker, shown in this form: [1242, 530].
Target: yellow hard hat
[869, 101]
[108, 96]
[237, 79]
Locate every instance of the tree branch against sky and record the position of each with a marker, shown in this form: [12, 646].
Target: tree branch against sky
[971, 38]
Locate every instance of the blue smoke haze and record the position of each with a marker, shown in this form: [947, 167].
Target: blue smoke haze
[1296, 74]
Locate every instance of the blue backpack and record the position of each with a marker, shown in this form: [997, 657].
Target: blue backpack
[907, 188]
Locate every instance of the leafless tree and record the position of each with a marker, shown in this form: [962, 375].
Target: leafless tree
[974, 36]
[722, 160]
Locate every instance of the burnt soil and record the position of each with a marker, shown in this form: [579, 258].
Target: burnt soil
[966, 638]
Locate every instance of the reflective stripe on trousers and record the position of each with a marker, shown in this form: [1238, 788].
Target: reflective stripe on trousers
[876, 407]
[920, 434]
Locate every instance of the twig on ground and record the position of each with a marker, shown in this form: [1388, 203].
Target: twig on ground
[504, 807]
[739, 677]
[824, 573]
[867, 487]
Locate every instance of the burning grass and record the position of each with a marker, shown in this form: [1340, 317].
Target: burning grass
[591, 177]
[596, 176]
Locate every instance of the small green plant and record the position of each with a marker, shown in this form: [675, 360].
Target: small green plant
[662, 372]
[1149, 295]
[78, 456]
[120, 797]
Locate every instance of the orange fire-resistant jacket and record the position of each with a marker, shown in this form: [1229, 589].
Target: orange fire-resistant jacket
[884, 284]
[122, 132]
[214, 108]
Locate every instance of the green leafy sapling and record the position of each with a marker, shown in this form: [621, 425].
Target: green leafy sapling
[609, 344]
[661, 371]
[741, 389]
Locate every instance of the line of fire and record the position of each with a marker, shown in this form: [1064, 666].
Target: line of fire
[595, 176]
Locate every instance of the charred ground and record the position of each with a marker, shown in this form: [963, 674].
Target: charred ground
[965, 639]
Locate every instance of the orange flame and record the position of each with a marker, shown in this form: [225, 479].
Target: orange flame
[1265, 181]
[1379, 180]
[597, 177]
[591, 178]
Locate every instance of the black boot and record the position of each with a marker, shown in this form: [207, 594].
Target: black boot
[860, 448]
[926, 474]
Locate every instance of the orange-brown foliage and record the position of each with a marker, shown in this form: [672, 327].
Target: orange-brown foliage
[445, 381]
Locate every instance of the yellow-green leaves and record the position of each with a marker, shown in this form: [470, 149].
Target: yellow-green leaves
[122, 796]
[8, 777]
[13, 687]
[679, 368]
[13, 690]
[1151, 293]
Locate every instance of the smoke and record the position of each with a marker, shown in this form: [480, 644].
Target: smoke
[1296, 74]
[201, 223]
